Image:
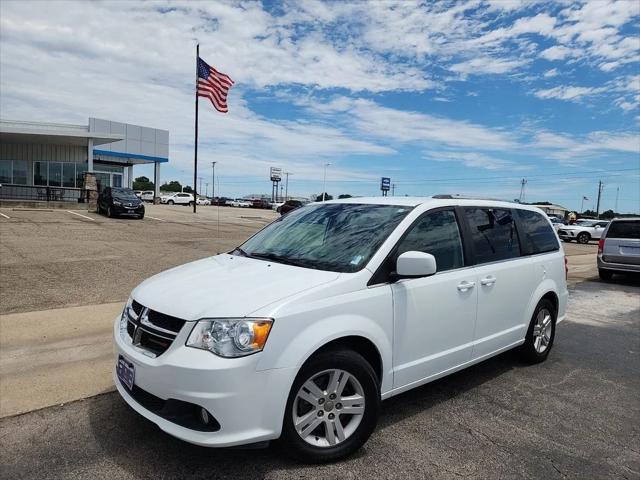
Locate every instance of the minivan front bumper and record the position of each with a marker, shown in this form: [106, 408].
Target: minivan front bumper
[247, 404]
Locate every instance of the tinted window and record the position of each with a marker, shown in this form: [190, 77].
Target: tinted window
[624, 229]
[538, 233]
[5, 171]
[20, 172]
[436, 233]
[493, 233]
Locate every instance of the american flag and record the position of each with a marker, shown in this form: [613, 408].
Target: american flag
[214, 85]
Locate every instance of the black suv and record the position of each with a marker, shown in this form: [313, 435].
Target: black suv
[120, 201]
[289, 205]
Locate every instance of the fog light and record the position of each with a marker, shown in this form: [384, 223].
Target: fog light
[204, 416]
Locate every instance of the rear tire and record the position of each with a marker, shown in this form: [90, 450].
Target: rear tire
[541, 333]
[605, 274]
[584, 238]
[322, 418]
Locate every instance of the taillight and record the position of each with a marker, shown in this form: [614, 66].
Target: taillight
[566, 268]
[600, 245]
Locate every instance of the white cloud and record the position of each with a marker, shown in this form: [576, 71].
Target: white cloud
[474, 160]
[487, 65]
[557, 52]
[568, 92]
[551, 73]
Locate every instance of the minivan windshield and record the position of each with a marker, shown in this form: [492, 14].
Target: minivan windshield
[339, 237]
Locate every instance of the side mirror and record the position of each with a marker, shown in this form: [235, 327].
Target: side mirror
[415, 264]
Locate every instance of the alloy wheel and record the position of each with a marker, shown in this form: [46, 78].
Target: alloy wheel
[542, 330]
[328, 408]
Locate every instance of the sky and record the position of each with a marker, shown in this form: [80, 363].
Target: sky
[464, 97]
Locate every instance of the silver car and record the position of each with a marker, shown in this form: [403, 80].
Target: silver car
[619, 248]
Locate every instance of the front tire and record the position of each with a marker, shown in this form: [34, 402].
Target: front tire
[584, 238]
[110, 212]
[541, 333]
[170, 202]
[333, 407]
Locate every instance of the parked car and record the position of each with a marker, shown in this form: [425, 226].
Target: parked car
[556, 222]
[137, 193]
[583, 232]
[221, 201]
[276, 205]
[177, 199]
[260, 203]
[116, 201]
[240, 202]
[203, 201]
[309, 354]
[619, 248]
[147, 195]
[289, 205]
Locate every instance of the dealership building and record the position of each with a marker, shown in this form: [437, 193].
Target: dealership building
[47, 161]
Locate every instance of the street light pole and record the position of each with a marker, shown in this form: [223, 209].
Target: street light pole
[324, 181]
[286, 185]
[213, 181]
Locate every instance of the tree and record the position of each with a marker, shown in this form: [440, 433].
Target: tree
[345, 195]
[172, 186]
[588, 213]
[187, 189]
[326, 197]
[608, 214]
[143, 183]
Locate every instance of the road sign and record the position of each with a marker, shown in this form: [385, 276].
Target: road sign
[385, 184]
[276, 174]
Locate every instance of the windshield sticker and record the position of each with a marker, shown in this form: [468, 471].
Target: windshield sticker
[356, 260]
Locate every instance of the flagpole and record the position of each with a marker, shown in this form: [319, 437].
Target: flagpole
[195, 144]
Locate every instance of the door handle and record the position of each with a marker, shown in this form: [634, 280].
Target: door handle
[464, 286]
[490, 280]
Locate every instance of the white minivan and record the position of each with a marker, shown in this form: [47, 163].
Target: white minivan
[301, 331]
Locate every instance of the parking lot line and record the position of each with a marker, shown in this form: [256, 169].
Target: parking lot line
[5, 216]
[80, 215]
[154, 218]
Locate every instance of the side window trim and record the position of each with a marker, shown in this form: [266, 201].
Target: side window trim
[374, 280]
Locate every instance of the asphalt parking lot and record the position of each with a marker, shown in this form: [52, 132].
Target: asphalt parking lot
[60, 258]
[575, 416]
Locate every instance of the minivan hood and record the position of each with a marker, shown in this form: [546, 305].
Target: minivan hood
[225, 286]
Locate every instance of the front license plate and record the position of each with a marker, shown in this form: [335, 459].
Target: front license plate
[126, 372]
[131, 211]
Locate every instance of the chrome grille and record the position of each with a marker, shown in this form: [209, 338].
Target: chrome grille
[151, 331]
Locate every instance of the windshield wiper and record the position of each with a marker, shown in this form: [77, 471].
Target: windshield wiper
[277, 258]
[240, 251]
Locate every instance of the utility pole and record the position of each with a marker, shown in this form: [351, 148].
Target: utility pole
[393, 189]
[200, 187]
[206, 189]
[600, 187]
[523, 182]
[615, 210]
[213, 181]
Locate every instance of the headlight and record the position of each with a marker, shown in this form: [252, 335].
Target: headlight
[124, 318]
[117, 203]
[231, 337]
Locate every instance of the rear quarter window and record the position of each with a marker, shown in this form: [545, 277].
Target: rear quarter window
[538, 234]
[624, 229]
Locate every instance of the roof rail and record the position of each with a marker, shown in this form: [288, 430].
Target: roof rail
[456, 196]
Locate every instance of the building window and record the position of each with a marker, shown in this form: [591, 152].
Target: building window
[40, 173]
[69, 175]
[80, 169]
[55, 174]
[5, 171]
[19, 172]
